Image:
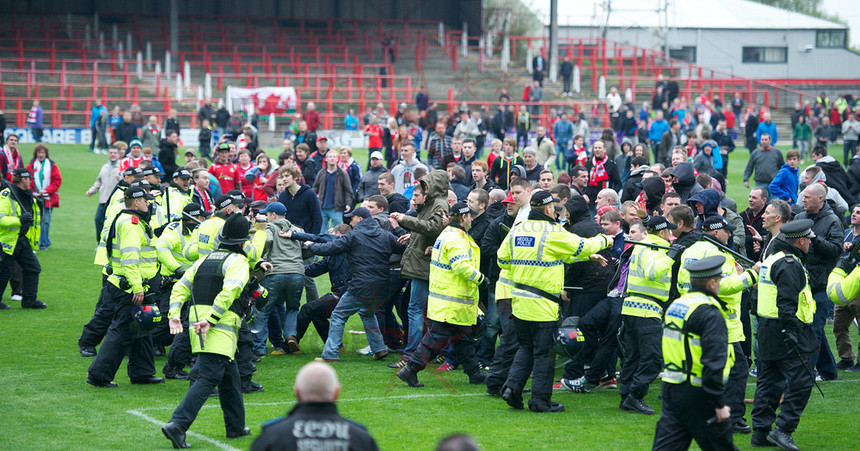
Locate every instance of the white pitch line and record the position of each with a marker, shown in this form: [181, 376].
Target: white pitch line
[217, 443]
[372, 398]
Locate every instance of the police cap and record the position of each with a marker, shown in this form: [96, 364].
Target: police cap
[137, 192]
[543, 198]
[658, 223]
[798, 228]
[21, 173]
[716, 223]
[461, 208]
[182, 174]
[193, 209]
[135, 171]
[706, 267]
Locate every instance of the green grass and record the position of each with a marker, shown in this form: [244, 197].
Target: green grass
[47, 405]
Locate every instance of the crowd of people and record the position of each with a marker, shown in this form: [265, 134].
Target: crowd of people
[459, 244]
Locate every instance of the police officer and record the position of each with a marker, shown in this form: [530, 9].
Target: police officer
[786, 338]
[133, 275]
[19, 233]
[115, 203]
[204, 241]
[648, 280]
[314, 422]
[734, 282]
[535, 252]
[214, 285]
[697, 359]
[177, 195]
[157, 209]
[452, 305]
[173, 265]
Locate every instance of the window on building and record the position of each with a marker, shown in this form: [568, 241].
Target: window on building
[830, 39]
[685, 53]
[765, 54]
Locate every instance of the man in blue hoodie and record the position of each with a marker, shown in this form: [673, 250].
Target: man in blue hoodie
[303, 210]
[658, 128]
[784, 185]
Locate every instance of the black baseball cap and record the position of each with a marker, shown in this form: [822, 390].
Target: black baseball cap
[225, 200]
[135, 171]
[717, 223]
[194, 209]
[21, 173]
[361, 212]
[182, 174]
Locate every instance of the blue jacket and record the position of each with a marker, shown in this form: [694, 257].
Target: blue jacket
[655, 133]
[763, 127]
[368, 249]
[784, 185]
[303, 209]
[334, 265]
[95, 114]
[563, 132]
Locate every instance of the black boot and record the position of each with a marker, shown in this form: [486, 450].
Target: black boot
[175, 434]
[513, 399]
[408, 374]
[782, 439]
[477, 378]
[759, 439]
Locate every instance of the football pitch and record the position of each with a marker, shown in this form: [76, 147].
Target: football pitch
[46, 403]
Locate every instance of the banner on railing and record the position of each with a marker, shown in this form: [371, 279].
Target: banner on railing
[277, 100]
[53, 135]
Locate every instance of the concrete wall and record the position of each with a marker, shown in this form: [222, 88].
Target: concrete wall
[723, 50]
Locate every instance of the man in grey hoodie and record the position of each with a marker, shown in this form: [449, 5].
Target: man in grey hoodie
[284, 282]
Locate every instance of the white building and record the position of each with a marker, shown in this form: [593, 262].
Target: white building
[734, 36]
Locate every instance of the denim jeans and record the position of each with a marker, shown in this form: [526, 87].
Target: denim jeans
[329, 214]
[346, 307]
[560, 162]
[284, 289]
[416, 311]
[822, 360]
[45, 225]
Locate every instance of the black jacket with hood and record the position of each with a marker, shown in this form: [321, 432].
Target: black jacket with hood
[836, 177]
[710, 200]
[825, 248]
[654, 188]
[633, 184]
[589, 275]
[686, 185]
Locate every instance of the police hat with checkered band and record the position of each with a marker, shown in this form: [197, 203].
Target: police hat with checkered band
[194, 209]
[706, 268]
[135, 171]
[798, 228]
[182, 174]
[151, 171]
[21, 173]
[717, 223]
[658, 223]
[461, 208]
[543, 198]
[137, 192]
[224, 201]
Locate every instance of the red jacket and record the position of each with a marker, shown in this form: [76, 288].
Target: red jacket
[312, 118]
[53, 200]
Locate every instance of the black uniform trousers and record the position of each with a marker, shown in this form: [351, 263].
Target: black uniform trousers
[161, 333]
[643, 358]
[684, 418]
[244, 352]
[392, 332]
[95, 330]
[771, 383]
[580, 305]
[179, 354]
[440, 335]
[506, 349]
[533, 358]
[736, 385]
[30, 269]
[122, 340]
[600, 327]
[317, 312]
[210, 371]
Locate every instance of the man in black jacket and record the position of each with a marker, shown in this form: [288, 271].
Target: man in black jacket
[726, 143]
[368, 248]
[314, 422]
[167, 153]
[821, 258]
[785, 336]
[566, 76]
[854, 176]
[590, 279]
[833, 173]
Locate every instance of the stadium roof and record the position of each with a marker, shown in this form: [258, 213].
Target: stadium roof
[695, 14]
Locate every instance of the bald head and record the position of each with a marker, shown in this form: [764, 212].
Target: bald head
[317, 382]
[497, 195]
[813, 197]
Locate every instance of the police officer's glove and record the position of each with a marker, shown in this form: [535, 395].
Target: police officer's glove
[675, 251]
[846, 264]
[26, 219]
[485, 283]
[789, 338]
[178, 273]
